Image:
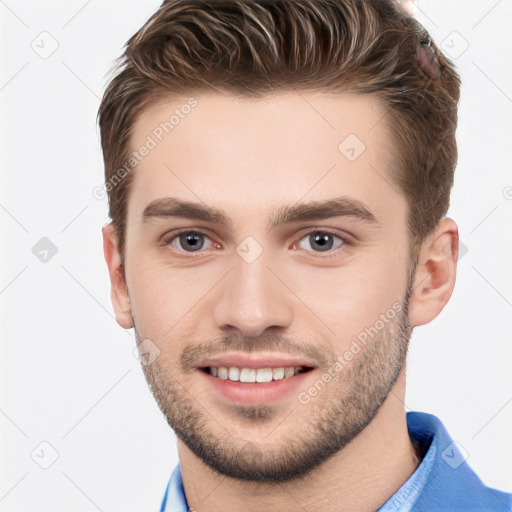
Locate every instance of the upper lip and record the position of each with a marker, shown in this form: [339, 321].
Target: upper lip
[260, 360]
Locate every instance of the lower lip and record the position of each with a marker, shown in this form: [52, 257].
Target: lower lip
[255, 393]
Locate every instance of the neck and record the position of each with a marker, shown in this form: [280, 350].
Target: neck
[359, 478]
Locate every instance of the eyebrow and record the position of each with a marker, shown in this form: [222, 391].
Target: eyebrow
[312, 210]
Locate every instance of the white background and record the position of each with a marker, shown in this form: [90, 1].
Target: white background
[68, 373]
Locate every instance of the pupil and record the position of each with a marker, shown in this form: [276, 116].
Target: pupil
[191, 241]
[321, 240]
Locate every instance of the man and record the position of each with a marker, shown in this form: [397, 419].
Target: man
[278, 177]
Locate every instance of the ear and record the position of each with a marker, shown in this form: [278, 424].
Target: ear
[435, 273]
[118, 289]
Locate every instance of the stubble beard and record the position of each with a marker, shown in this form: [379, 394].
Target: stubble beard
[311, 433]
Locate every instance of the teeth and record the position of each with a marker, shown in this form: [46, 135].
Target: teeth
[278, 373]
[289, 372]
[264, 375]
[236, 374]
[247, 375]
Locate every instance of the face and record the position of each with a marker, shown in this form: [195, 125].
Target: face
[267, 267]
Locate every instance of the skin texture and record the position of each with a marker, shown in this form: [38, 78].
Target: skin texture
[348, 447]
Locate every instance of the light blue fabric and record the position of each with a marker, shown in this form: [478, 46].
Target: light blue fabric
[174, 498]
[443, 482]
[404, 499]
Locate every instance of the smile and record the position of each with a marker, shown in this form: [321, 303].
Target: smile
[253, 375]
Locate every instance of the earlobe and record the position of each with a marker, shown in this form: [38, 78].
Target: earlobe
[435, 273]
[118, 290]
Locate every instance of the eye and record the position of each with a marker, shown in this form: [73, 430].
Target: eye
[322, 240]
[189, 241]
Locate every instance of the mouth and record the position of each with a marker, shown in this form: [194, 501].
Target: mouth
[262, 379]
[255, 375]
[257, 378]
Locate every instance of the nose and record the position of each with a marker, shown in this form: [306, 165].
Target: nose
[253, 299]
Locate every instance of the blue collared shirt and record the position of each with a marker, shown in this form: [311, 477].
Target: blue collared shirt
[443, 482]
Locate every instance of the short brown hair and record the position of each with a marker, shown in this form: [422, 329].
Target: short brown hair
[256, 47]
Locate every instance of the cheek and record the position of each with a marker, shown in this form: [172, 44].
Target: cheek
[344, 301]
[164, 299]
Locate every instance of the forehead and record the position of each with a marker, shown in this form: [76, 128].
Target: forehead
[256, 154]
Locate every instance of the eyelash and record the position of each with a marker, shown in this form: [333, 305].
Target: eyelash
[184, 254]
